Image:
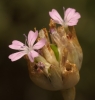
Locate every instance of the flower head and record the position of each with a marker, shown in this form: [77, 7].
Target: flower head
[56, 65]
[71, 17]
[28, 49]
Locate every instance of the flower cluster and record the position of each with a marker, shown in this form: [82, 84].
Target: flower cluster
[70, 19]
[55, 56]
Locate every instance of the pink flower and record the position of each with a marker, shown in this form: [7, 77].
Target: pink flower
[71, 17]
[28, 49]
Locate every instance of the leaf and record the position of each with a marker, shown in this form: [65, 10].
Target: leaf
[55, 50]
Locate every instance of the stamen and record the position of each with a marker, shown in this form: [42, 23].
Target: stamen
[64, 9]
[26, 40]
[63, 19]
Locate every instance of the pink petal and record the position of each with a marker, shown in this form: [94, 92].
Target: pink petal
[71, 17]
[17, 43]
[17, 47]
[39, 44]
[32, 55]
[74, 20]
[76, 16]
[72, 23]
[56, 17]
[32, 36]
[16, 56]
[68, 13]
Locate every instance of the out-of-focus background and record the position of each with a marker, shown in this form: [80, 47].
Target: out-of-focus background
[17, 17]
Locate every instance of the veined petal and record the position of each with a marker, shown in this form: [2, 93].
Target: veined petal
[39, 44]
[68, 13]
[32, 36]
[32, 55]
[76, 16]
[16, 56]
[17, 47]
[56, 17]
[17, 43]
[74, 20]
[72, 23]
[71, 17]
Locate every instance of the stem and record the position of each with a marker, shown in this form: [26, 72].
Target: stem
[69, 94]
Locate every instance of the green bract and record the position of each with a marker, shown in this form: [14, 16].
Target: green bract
[55, 49]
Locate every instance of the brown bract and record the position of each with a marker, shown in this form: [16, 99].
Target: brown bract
[56, 74]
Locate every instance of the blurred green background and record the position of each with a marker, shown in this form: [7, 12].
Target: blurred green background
[17, 17]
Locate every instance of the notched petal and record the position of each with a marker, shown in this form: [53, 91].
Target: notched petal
[32, 36]
[71, 17]
[39, 44]
[16, 56]
[56, 17]
[17, 43]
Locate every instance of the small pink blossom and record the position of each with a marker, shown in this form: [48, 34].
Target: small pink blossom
[71, 17]
[28, 49]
